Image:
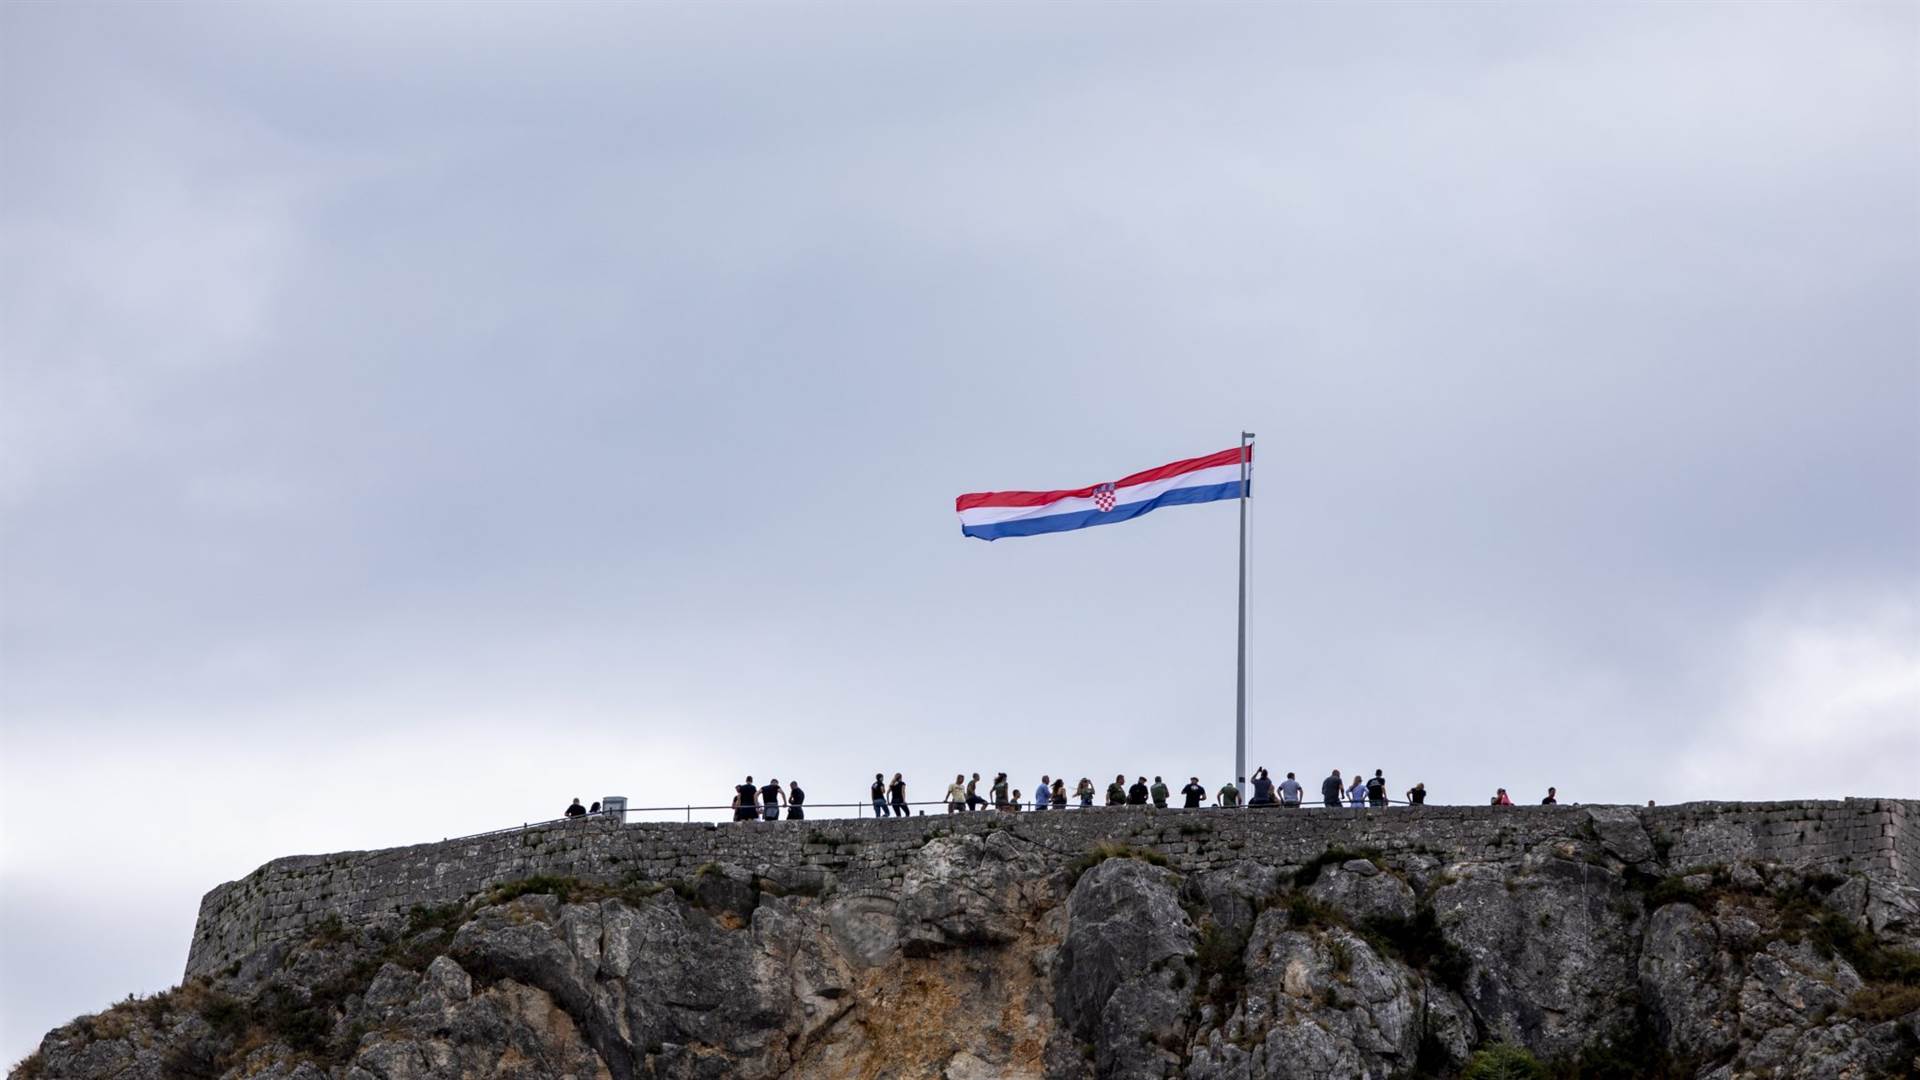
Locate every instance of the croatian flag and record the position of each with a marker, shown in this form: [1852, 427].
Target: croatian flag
[990, 515]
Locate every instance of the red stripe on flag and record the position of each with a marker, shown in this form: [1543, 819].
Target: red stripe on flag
[1042, 498]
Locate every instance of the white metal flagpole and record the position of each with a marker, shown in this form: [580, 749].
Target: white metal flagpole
[1240, 702]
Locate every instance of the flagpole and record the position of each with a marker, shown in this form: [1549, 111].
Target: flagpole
[1240, 702]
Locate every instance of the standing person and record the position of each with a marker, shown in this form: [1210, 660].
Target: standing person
[1000, 791]
[1417, 795]
[974, 800]
[1331, 789]
[897, 795]
[1117, 791]
[1290, 793]
[1551, 799]
[1159, 793]
[1042, 793]
[1085, 790]
[1377, 789]
[746, 801]
[771, 797]
[879, 795]
[1262, 789]
[1194, 793]
[1137, 794]
[795, 800]
[1357, 794]
[1500, 797]
[957, 794]
[1228, 796]
[1058, 796]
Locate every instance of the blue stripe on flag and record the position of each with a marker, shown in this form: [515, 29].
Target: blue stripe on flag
[1082, 519]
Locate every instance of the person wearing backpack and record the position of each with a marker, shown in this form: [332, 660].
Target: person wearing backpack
[1377, 789]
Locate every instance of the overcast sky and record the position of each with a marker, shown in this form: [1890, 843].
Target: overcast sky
[415, 416]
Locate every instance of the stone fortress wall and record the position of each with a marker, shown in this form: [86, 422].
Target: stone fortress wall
[281, 900]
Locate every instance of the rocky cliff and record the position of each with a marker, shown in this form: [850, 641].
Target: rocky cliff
[1752, 940]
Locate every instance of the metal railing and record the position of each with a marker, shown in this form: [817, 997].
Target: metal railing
[862, 809]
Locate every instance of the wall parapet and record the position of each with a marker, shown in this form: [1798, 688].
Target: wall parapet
[279, 901]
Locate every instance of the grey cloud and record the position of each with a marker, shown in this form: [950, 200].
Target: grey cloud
[591, 384]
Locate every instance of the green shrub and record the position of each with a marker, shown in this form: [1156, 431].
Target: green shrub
[1503, 1061]
[1221, 961]
[1109, 849]
[1880, 1003]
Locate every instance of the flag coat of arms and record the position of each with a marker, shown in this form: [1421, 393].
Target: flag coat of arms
[991, 515]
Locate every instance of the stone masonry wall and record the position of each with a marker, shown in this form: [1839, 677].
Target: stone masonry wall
[280, 900]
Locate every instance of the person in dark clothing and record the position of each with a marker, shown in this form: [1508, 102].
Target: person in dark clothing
[1159, 793]
[595, 808]
[1552, 798]
[576, 810]
[1194, 792]
[879, 790]
[1117, 791]
[897, 792]
[1137, 794]
[999, 790]
[1058, 795]
[1417, 794]
[1377, 789]
[746, 801]
[974, 799]
[795, 800]
[771, 797]
[1331, 789]
[1262, 789]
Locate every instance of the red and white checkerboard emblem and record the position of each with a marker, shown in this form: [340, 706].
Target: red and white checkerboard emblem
[1103, 497]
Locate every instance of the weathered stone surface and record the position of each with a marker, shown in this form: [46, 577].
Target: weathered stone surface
[1362, 891]
[968, 948]
[282, 900]
[1552, 946]
[1126, 969]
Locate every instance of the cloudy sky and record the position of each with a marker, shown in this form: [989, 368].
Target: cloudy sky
[415, 416]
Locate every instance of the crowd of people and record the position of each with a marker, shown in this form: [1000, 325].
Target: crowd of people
[1051, 793]
[763, 802]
